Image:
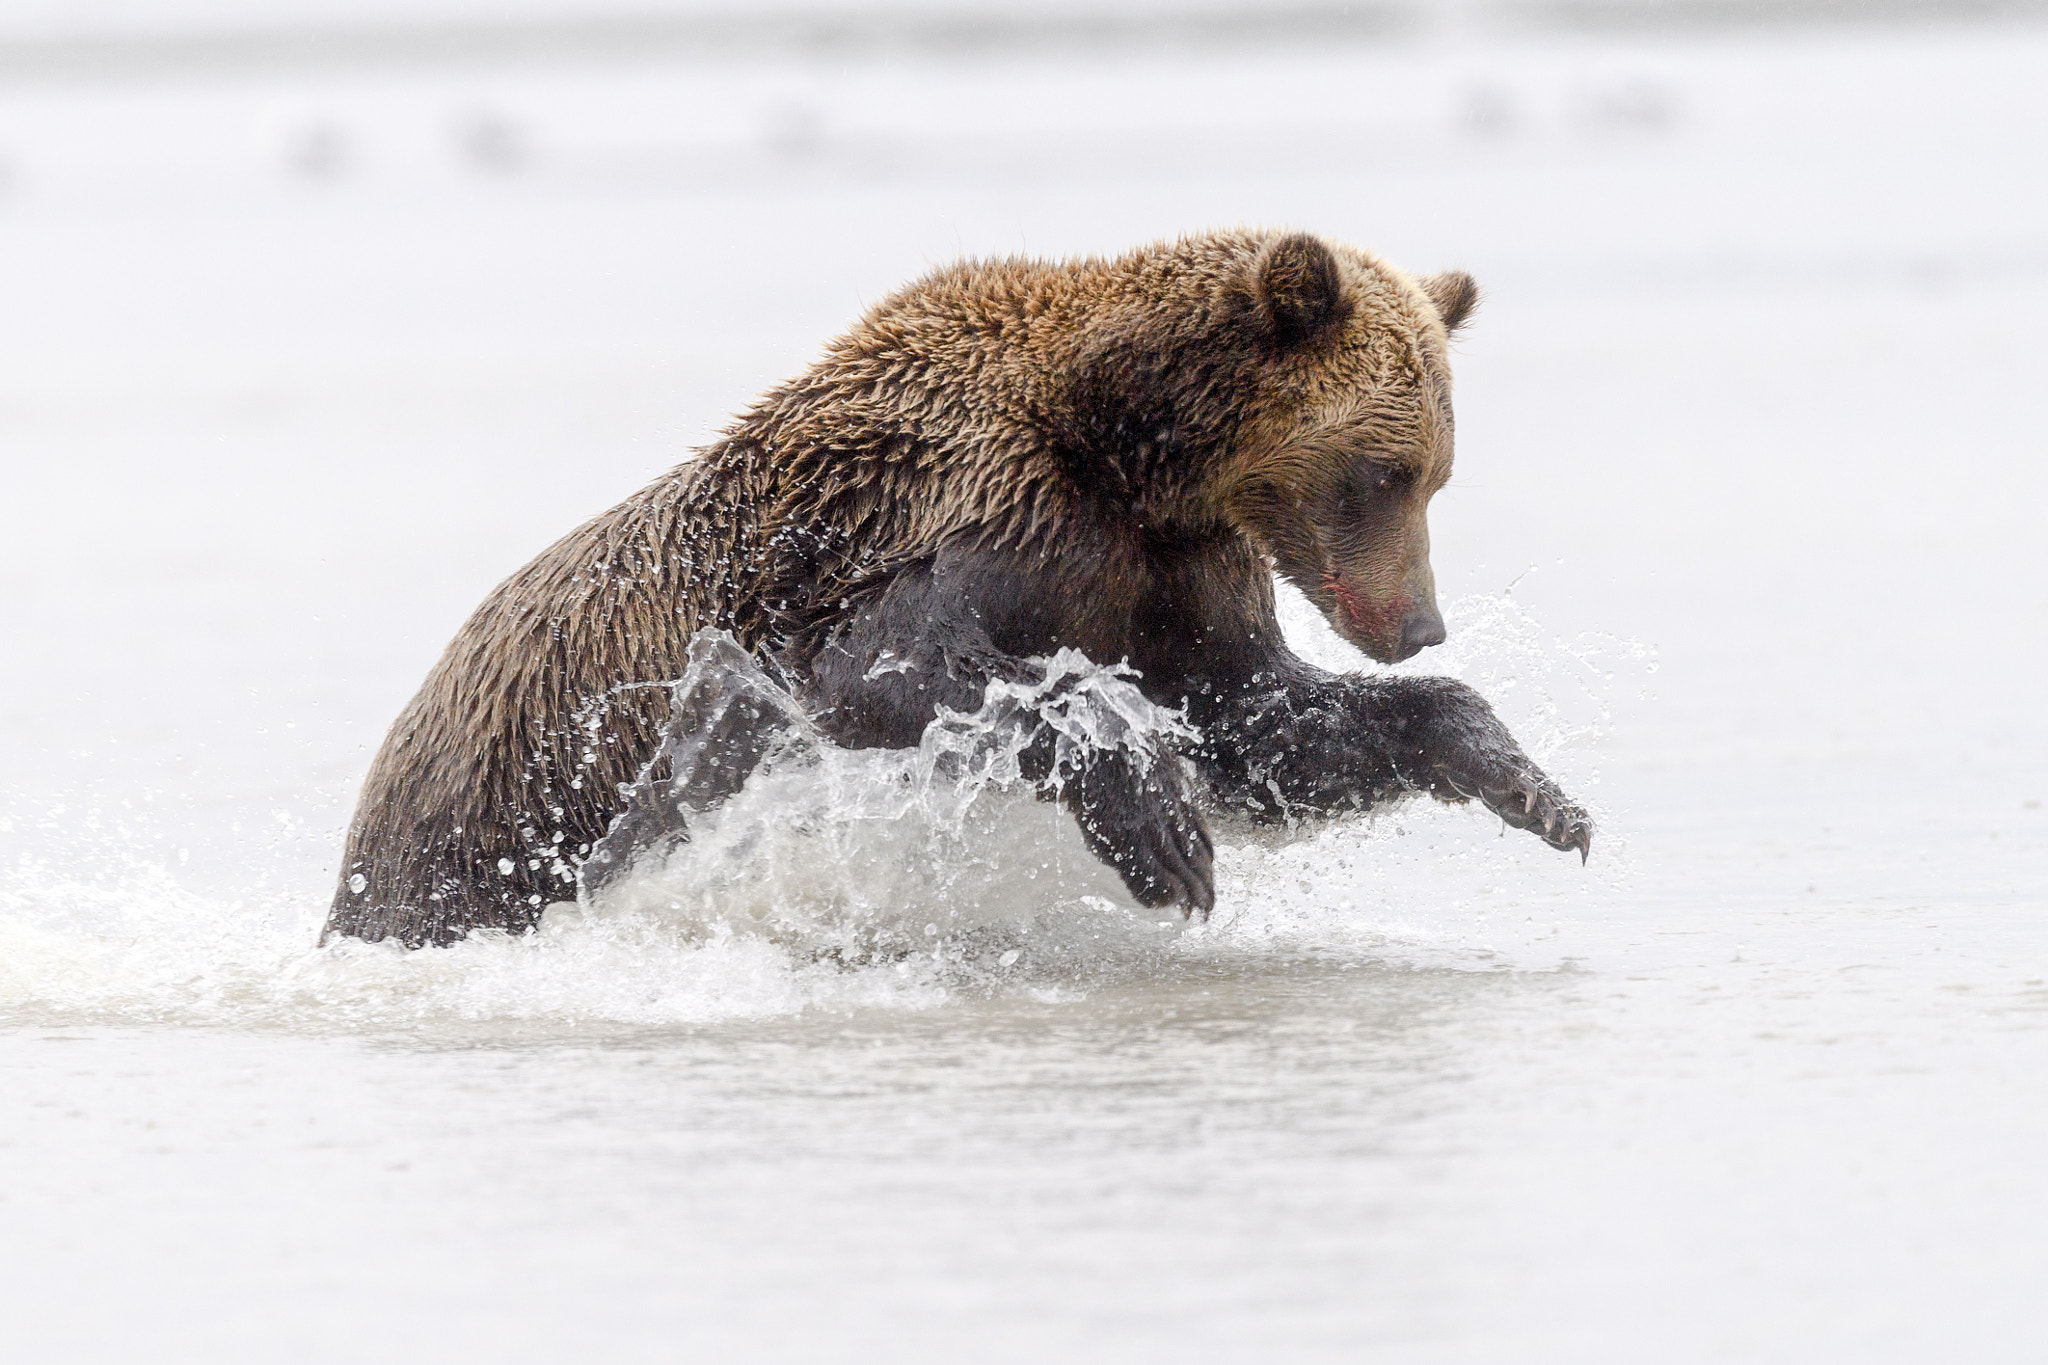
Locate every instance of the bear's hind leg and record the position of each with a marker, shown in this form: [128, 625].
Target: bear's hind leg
[725, 715]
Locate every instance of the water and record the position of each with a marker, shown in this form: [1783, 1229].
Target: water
[834, 879]
[1743, 543]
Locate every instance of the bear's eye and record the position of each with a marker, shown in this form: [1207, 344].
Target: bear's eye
[1371, 482]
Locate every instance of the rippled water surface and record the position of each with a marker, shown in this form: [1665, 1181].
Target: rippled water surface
[1744, 543]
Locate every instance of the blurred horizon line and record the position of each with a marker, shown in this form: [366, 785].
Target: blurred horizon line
[936, 28]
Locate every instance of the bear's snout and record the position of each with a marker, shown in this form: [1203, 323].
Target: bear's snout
[1400, 629]
[1421, 628]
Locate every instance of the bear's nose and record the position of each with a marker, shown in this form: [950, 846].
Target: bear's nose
[1421, 629]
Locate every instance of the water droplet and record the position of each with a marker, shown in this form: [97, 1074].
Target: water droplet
[1009, 959]
[505, 866]
[931, 931]
[357, 883]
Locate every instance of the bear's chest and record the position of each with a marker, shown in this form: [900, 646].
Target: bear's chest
[1157, 603]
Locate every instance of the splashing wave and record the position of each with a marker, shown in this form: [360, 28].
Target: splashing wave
[840, 880]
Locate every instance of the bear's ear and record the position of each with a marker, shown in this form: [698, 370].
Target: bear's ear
[1455, 295]
[1301, 290]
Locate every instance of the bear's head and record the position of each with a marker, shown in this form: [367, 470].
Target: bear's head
[1269, 385]
[1346, 432]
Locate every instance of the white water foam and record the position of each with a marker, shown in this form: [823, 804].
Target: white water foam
[945, 851]
[841, 880]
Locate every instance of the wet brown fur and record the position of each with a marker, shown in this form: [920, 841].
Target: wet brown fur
[1221, 390]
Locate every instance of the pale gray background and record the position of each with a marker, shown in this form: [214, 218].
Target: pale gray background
[317, 320]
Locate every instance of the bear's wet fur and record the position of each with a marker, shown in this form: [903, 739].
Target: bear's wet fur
[1002, 459]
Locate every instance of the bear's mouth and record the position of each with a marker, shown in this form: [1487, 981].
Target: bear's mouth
[1368, 625]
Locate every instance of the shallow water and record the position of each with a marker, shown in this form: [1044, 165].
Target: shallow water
[1743, 543]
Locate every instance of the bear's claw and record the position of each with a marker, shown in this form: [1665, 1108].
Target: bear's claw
[1527, 800]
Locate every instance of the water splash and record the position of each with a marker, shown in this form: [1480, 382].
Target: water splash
[832, 880]
[871, 855]
[1555, 694]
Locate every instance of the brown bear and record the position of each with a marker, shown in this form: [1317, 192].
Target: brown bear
[1002, 460]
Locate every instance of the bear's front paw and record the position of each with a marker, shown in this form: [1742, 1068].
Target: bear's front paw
[1143, 823]
[1523, 796]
